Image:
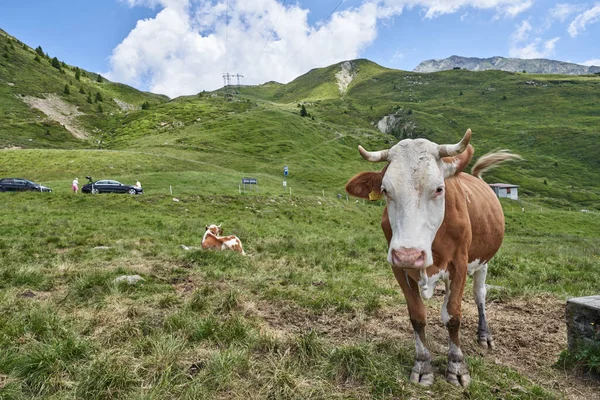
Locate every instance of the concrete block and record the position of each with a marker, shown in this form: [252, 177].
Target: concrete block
[583, 319]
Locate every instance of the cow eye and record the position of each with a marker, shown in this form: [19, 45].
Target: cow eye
[439, 190]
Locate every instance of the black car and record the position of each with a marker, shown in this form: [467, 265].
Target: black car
[21, 185]
[110, 186]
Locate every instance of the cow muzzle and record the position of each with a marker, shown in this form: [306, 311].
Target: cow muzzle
[409, 258]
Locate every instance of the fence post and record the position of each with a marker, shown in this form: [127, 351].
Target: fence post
[171, 190]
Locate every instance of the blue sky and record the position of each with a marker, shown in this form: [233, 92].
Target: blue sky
[180, 47]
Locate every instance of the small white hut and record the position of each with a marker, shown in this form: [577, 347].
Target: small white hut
[506, 190]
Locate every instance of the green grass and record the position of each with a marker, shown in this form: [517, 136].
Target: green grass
[200, 325]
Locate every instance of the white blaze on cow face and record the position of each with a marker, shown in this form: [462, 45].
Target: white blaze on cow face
[413, 186]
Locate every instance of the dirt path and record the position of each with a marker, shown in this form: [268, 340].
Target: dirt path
[60, 111]
[529, 334]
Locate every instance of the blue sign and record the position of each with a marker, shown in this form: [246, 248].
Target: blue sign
[285, 171]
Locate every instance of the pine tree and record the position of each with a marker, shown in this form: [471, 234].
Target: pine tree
[303, 112]
[81, 90]
[145, 105]
[99, 79]
[40, 51]
[100, 109]
[89, 98]
[77, 74]
[98, 97]
[67, 90]
[56, 63]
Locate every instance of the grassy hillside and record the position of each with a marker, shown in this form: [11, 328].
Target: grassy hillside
[22, 76]
[550, 120]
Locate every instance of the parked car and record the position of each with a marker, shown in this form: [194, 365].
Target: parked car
[21, 185]
[110, 186]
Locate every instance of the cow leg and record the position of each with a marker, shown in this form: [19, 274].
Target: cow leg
[484, 337]
[457, 372]
[422, 372]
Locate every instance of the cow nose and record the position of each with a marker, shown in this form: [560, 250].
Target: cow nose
[408, 257]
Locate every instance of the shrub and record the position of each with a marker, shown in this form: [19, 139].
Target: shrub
[81, 90]
[77, 74]
[98, 97]
[145, 105]
[39, 51]
[584, 356]
[100, 109]
[37, 58]
[99, 79]
[67, 90]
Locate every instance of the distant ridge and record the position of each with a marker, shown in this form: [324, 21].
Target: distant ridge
[533, 66]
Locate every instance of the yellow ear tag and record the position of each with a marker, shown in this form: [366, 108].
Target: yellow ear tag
[374, 195]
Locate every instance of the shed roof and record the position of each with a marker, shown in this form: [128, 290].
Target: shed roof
[503, 185]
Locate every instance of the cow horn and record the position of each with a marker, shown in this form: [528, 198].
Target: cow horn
[449, 150]
[373, 156]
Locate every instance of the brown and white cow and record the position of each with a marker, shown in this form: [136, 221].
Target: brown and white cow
[440, 223]
[213, 240]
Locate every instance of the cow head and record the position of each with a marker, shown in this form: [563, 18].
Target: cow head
[214, 229]
[413, 186]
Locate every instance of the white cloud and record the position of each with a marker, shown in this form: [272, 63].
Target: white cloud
[185, 48]
[583, 20]
[435, 8]
[535, 49]
[522, 32]
[188, 44]
[562, 11]
[522, 47]
[594, 62]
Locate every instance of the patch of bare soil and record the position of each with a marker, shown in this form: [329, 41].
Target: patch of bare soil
[529, 334]
[126, 106]
[60, 111]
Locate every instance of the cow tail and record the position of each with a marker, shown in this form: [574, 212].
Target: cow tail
[492, 160]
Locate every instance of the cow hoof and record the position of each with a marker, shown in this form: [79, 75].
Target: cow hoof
[486, 341]
[422, 373]
[458, 374]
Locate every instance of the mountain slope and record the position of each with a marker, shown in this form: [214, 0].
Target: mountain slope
[534, 66]
[38, 113]
[551, 120]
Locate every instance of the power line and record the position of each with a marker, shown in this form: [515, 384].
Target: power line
[270, 34]
[226, 32]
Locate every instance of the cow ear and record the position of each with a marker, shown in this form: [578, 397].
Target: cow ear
[205, 227]
[366, 185]
[455, 165]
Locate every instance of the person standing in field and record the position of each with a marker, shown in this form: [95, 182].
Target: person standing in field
[138, 184]
[75, 185]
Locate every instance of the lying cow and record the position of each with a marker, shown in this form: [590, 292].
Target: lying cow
[213, 240]
[440, 223]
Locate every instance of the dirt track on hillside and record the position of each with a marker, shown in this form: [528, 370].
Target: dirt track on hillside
[529, 334]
